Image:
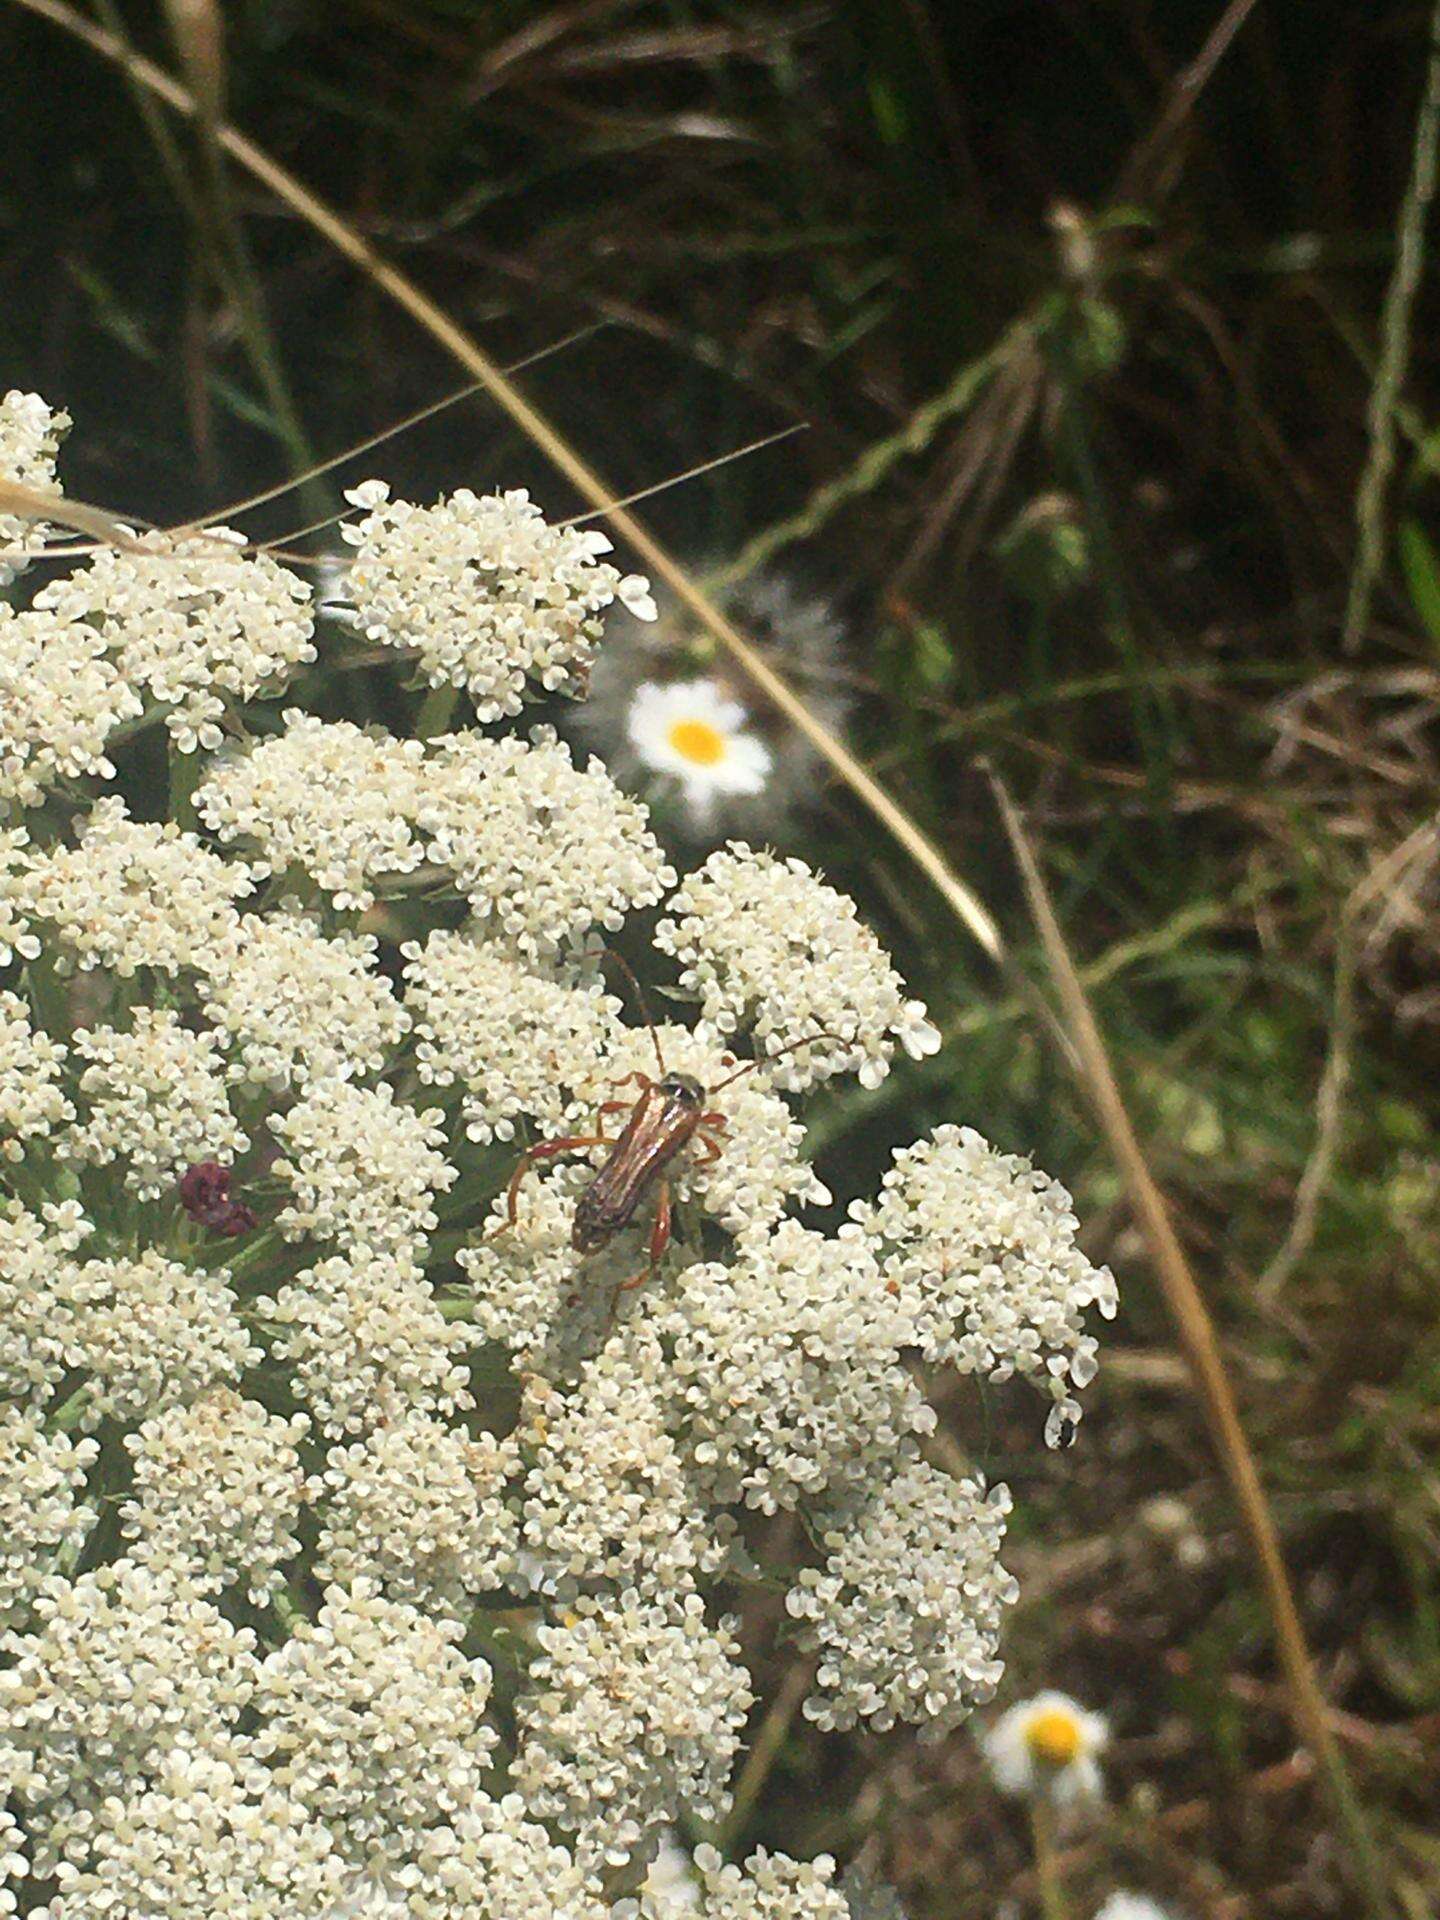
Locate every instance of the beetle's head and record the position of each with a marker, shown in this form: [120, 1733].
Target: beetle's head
[684, 1090]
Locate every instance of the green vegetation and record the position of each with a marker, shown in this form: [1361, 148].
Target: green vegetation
[1082, 306]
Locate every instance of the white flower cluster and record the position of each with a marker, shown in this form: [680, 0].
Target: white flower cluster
[519, 1043]
[483, 591]
[148, 1331]
[373, 1487]
[35, 1270]
[981, 1249]
[192, 619]
[543, 850]
[40, 1517]
[60, 700]
[154, 1096]
[905, 1611]
[363, 1333]
[419, 1507]
[298, 1004]
[31, 1062]
[133, 894]
[30, 436]
[218, 1483]
[787, 1363]
[121, 1663]
[765, 945]
[323, 796]
[635, 1715]
[373, 1717]
[770, 1887]
[363, 1167]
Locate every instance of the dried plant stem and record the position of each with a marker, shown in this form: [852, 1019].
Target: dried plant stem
[1394, 352]
[1202, 1352]
[927, 856]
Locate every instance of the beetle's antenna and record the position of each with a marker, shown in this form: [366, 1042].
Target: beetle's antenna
[779, 1054]
[639, 992]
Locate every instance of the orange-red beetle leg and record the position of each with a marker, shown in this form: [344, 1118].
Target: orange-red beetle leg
[544, 1150]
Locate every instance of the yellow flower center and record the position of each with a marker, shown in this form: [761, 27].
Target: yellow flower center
[697, 740]
[1053, 1737]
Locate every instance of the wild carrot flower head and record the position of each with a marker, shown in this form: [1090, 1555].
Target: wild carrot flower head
[362, 1542]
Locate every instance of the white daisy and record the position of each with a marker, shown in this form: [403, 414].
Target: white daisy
[691, 731]
[1048, 1747]
[1131, 1906]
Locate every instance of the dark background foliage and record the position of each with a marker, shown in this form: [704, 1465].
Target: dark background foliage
[1118, 572]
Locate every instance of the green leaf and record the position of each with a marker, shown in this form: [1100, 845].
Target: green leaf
[1421, 565]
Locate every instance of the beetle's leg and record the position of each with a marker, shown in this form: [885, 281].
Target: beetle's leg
[713, 1148]
[545, 1150]
[717, 1122]
[659, 1241]
[641, 1080]
[616, 1106]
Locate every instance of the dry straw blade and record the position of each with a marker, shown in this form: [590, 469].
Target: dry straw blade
[1202, 1351]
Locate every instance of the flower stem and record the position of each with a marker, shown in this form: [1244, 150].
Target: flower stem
[1047, 1863]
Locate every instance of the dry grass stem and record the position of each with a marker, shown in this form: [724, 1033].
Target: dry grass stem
[1202, 1351]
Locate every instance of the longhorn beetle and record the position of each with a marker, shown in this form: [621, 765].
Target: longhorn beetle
[665, 1117]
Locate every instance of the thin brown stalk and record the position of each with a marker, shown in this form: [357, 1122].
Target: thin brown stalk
[286, 188]
[1202, 1352]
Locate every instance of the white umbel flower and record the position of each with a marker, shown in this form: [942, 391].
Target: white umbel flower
[905, 1612]
[135, 894]
[1132, 1906]
[365, 1336]
[120, 1664]
[373, 1718]
[325, 796]
[787, 1365]
[40, 1517]
[765, 945]
[608, 1496]
[300, 1005]
[30, 436]
[419, 1507]
[31, 1103]
[770, 1886]
[1048, 1747]
[153, 1097]
[148, 1332]
[690, 731]
[495, 1862]
[483, 592]
[60, 700]
[518, 1042]
[545, 851]
[981, 1248]
[194, 620]
[14, 1861]
[363, 1168]
[208, 1835]
[219, 1484]
[633, 1714]
[16, 937]
[36, 1278]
